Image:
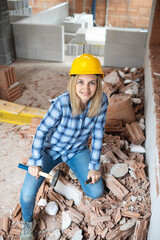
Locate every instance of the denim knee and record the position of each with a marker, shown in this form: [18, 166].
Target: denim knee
[95, 190]
[26, 196]
[96, 194]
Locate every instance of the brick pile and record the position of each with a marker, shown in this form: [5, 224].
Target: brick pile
[9, 87]
[124, 210]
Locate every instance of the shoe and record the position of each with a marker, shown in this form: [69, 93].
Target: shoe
[27, 230]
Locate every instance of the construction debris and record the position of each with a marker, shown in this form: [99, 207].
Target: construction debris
[119, 170]
[52, 208]
[124, 210]
[9, 87]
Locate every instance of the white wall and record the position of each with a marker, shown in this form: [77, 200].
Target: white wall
[152, 159]
[41, 36]
[42, 42]
[125, 47]
[54, 15]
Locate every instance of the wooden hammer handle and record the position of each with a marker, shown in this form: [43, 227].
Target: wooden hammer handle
[43, 174]
[46, 175]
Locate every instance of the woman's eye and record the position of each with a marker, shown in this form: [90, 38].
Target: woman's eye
[92, 83]
[80, 82]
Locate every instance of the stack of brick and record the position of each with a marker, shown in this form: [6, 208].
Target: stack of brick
[19, 7]
[9, 87]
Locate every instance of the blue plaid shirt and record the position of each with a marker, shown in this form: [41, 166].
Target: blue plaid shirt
[61, 134]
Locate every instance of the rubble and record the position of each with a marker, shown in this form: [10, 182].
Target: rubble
[52, 208]
[9, 87]
[124, 210]
[119, 170]
[56, 234]
[66, 220]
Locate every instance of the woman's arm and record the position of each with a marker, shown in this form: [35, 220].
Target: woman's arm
[50, 120]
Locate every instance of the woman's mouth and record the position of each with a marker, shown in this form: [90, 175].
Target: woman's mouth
[85, 93]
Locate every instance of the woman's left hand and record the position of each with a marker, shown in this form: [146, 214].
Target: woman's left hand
[94, 175]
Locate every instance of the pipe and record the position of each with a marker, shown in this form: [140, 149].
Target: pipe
[94, 11]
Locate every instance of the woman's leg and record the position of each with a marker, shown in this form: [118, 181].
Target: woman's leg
[31, 186]
[79, 165]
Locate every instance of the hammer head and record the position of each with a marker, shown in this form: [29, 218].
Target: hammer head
[55, 178]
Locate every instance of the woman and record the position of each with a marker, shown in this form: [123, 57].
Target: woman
[63, 134]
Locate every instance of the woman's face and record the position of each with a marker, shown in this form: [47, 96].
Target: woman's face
[86, 87]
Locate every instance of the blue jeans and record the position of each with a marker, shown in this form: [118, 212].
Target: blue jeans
[79, 165]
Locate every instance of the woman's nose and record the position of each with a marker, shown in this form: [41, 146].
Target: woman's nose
[86, 86]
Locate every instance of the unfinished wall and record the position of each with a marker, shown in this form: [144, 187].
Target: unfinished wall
[120, 13]
[152, 100]
[7, 55]
[124, 47]
[41, 5]
[41, 36]
[131, 14]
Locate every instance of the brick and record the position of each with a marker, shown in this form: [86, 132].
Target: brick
[115, 186]
[4, 224]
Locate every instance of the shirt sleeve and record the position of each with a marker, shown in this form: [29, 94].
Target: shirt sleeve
[49, 121]
[97, 136]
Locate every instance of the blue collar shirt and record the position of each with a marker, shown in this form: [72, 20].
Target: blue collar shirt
[62, 134]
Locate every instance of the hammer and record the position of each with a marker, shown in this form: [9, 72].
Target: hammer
[53, 179]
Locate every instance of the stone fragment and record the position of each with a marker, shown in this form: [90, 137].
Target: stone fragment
[133, 69]
[132, 173]
[119, 170]
[42, 202]
[112, 78]
[133, 198]
[129, 224]
[126, 144]
[123, 221]
[136, 100]
[127, 81]
[126, 69]
[66, 220]
[135, 89]
[78, 235]
[55, 235]
[142, 126]
[141, 120]
[52, 208]
[137, 148]
[137, 80]
[121, 74]
[129, 91]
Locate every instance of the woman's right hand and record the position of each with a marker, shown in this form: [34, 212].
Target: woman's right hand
[34, 171]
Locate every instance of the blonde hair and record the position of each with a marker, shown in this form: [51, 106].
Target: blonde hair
[96, 100]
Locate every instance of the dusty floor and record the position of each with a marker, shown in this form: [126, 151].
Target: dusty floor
[40, 81]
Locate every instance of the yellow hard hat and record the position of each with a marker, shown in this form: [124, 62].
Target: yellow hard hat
[86, 64]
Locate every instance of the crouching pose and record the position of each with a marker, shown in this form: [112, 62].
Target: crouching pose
[63, 134]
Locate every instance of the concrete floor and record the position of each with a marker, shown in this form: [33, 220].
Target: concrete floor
[39, 81]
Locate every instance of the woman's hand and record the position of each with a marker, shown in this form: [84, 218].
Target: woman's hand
[94, 175]
[34, 171]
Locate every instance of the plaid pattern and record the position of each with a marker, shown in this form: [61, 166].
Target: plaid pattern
[61, 134]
